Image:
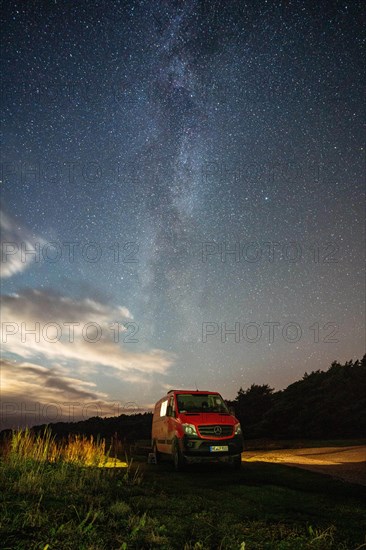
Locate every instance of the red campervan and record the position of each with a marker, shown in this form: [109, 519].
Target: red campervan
[196, 426]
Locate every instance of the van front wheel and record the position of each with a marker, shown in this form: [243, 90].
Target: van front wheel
[178, 458]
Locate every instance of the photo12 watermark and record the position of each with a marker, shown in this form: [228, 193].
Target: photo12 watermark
[71, 171]
[263, 172]
[269, 332]
[71, 332]
[70, 251]
[252, 252]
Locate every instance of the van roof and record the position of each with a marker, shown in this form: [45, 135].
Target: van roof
[193, 391]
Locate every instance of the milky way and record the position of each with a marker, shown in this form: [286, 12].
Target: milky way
[207, 161]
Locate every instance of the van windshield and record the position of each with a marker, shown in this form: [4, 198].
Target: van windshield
[198, 403]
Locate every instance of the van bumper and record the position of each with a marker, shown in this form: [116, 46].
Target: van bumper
[196, 449]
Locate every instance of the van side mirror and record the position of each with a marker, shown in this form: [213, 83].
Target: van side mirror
[232, 411]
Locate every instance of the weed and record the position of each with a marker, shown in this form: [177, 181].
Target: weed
[120, 509]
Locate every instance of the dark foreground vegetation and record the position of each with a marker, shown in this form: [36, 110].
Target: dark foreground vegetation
[55, 496]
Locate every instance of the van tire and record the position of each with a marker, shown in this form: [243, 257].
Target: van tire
[178, 458]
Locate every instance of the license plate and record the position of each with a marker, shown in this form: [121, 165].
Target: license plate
[218, 448]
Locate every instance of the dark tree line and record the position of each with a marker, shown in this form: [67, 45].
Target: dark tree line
[324, 404]
[321, 405]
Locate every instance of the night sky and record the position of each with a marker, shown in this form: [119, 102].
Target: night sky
[190, 178]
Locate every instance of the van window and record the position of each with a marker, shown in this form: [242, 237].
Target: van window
[163, 408]
[198, 403]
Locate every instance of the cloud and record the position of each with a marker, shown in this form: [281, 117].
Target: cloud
[17, 242]
[33, 394]
[88, 332]
[35, 382]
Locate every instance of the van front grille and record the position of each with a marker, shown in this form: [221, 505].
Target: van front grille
[216, 430]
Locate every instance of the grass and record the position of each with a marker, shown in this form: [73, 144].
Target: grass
[25, 446]
[57, 496]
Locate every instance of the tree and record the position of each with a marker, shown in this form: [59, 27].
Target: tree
[251, 406]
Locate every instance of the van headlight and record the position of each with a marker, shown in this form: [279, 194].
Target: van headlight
[237, 429]
[189, 429]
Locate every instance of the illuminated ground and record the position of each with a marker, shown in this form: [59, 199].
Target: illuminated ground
[346, 463]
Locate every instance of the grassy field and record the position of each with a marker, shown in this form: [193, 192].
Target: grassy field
[53, 497]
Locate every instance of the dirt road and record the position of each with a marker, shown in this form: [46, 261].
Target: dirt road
[347, 463]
